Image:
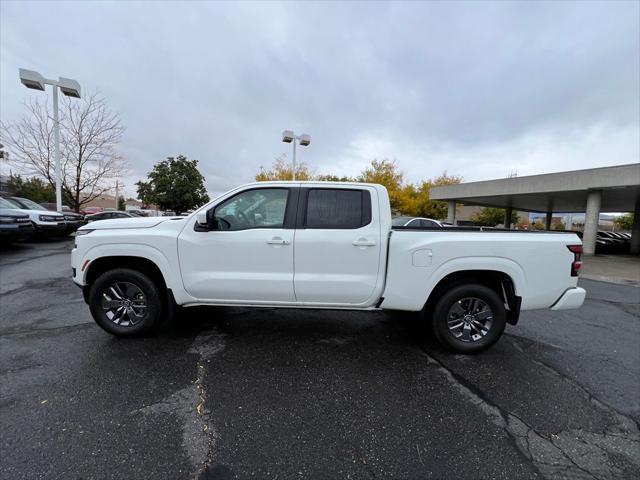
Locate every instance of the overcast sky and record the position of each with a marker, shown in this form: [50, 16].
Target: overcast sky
[477, 89]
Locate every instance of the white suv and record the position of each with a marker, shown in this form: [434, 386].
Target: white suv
[45, 222]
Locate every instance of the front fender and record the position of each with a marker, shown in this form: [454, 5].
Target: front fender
[170, 273]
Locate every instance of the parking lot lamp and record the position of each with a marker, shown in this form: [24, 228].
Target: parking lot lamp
[70, 88]
[289, 137]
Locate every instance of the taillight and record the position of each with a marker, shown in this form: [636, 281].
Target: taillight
[576, 265]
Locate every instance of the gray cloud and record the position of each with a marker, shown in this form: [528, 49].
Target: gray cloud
[479, 89]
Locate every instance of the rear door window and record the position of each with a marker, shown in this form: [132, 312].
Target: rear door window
[330, 208]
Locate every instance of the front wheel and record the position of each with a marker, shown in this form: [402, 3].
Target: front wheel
[469, 318]
[125, 302]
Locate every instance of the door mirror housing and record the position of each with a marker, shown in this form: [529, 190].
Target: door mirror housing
[205, 223]
[201, 219]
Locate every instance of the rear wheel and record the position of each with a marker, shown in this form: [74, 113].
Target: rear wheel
[469, 318]
[126, 302]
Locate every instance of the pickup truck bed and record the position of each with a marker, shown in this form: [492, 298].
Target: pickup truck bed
[322, 245]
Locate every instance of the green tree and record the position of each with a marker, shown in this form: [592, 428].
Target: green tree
[32, 188]
[280, 170]
[174, 184]
[491, 216]
[624, 222]
[121, 203]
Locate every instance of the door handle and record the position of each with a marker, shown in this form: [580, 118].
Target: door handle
[363, 242]
[278, 241]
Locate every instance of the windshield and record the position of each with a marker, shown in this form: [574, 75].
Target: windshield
[4, 203]
[400, 221]
[30, 204]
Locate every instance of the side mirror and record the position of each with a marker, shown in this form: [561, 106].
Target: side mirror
[201, 219]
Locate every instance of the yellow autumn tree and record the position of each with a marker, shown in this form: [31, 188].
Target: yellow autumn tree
[283, 171]
[386, 172]
[405, 198]
[434, 208]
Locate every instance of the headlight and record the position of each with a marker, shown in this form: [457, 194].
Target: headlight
[8, 219]
[50, 218]
[83, 231]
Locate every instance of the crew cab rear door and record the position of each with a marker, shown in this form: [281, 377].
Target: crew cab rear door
[337, 245]
[248, 256]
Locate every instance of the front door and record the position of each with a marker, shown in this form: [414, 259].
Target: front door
[248, 256]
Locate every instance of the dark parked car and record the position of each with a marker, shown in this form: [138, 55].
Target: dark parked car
[74, 220]
[108, 215]
[615, 243]
[606, 243]
[14, 225]
[137, 213]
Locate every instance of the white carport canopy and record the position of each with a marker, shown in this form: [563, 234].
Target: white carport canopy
[594, 190]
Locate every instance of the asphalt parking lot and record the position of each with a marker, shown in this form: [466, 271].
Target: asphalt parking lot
[241, 393]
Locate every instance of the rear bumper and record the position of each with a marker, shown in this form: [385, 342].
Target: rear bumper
[572, 298]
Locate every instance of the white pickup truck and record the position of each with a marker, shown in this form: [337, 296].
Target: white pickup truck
[321, 245]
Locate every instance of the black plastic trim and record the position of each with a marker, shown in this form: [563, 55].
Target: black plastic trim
[513, 315]
[291, 209]
[171, 305]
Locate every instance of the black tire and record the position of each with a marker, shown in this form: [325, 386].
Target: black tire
[142, 289]
[460, 298]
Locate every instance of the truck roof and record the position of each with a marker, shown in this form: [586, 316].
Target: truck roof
[314, 182]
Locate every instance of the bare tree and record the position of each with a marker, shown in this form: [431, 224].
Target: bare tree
[89, 135]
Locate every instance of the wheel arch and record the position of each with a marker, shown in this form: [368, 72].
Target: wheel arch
[498, 281]
[141, 256]
[141, 264]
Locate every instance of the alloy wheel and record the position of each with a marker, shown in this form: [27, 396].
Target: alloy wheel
[124, 304]
[470, 319]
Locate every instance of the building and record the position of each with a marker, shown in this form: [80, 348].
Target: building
[592, 191]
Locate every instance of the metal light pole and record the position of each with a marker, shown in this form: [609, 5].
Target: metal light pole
[70, 88]
[289, 137]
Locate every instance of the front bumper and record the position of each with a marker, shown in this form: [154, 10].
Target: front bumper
[16, 231]
[73, 225]
[52, 228]
[572, 298]
[76, 267]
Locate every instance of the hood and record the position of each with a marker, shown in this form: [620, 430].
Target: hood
[72, 215]
[40, 212]
[138, 222]
[10, 212]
